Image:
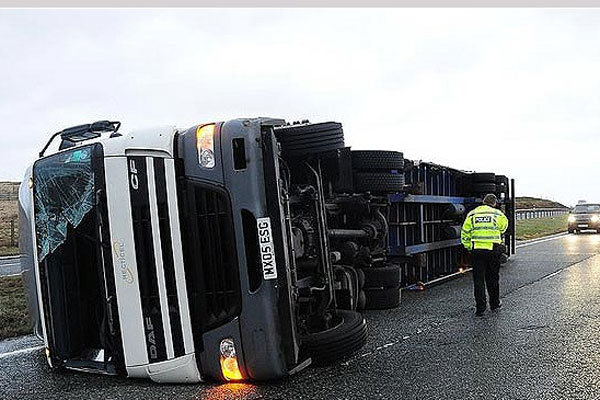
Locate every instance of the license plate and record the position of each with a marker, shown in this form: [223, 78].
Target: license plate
[267, 250]
[582, 226]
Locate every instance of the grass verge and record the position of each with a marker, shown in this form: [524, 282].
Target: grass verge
[14, 316]
[9, 251]
[538, 227]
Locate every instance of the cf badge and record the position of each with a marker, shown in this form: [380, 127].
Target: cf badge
[133, 177]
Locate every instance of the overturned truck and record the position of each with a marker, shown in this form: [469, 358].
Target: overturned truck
[237, 250]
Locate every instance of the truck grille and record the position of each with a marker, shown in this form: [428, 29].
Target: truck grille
[210, 256]
[583, 218]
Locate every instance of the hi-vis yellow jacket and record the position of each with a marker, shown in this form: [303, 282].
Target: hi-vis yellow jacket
[483, 227]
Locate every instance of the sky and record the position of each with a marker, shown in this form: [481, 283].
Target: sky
[511, 91]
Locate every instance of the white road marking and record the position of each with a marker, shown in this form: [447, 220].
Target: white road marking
[541, 240]
[16, 352]
[6, 258]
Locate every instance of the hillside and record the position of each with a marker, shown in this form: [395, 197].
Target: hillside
[533, 202]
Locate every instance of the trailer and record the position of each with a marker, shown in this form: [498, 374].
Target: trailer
[426, 219]
[237, 250]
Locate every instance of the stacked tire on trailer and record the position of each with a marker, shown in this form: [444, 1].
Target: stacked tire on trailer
[483, 183]
[379, 172]
[502, 185]
[488, 182]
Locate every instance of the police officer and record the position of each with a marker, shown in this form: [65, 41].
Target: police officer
[481, 235]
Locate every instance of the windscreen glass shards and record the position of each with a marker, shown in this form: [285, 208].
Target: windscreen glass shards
[63, 189]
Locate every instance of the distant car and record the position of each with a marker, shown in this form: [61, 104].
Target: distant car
[584, 217]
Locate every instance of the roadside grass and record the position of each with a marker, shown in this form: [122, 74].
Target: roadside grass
[14, 316]
[9, 251]
[9, 226]
[538, 227]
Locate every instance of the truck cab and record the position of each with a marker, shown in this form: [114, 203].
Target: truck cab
[182, 255]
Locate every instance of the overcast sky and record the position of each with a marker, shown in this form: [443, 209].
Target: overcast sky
[512, 91]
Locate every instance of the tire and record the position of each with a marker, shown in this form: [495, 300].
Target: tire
[571, 230]
[306, 139]
[361, 302]
[378, 182]
[367, 160]
[452, 231]
[361, 278]
[484, 188]
[304, 129]
[382, 277]
[338, 342]
[483, 177]
[382, 299]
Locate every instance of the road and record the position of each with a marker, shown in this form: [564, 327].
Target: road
[10, 265]
[543, 344]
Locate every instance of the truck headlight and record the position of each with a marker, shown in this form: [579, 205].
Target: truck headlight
[205, 143]
[595, 218]
[229, 362]
[571, 218]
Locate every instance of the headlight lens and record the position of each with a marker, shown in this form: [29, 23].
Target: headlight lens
[595, 218]
[571, 218]
[229, 362]
[205, 143]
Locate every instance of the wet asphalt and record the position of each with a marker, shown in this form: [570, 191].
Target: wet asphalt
[10, 265]
[543, 344]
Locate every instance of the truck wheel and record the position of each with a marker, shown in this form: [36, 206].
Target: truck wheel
[483, 177]
[307, 139]
[383, 298]
[346, 337]
[361, 301]
[367, 160]
[361, 278]
[378, 182]
[484, 188]
[377, 277]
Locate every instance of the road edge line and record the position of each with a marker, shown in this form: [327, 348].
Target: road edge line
[10, 257]
[543, 239]
[21, 351]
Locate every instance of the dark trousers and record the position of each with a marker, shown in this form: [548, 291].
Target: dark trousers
[486, 265]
